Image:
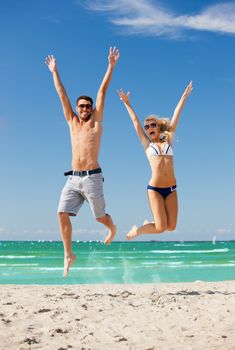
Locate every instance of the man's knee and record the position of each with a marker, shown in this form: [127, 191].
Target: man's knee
[102, 219]
[63, 216]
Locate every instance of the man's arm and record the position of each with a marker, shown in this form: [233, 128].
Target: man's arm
[68, 112]
[99, 107]
[124, 97]
[178, 109]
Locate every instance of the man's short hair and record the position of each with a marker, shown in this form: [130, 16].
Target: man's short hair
[87, 98]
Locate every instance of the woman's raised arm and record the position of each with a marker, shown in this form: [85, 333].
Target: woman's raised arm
[124, 97]
[178, 109]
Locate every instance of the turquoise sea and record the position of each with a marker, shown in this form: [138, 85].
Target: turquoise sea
[120, 262]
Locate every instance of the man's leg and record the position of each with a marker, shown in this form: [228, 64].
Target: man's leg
[66, 234]
[108, 222]
[95, 197]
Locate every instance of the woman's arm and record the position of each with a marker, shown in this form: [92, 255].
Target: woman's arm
[178, 109]
[124, 97]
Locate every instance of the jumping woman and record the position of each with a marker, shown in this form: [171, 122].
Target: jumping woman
[156, 138]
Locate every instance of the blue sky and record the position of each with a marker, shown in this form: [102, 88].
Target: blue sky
[163, 45]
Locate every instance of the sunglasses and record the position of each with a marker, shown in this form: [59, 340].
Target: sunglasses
[87, 106]
[151, 125]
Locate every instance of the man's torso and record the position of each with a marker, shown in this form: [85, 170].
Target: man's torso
[85, 141]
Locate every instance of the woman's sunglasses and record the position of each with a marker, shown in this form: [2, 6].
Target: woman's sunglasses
[151, 125]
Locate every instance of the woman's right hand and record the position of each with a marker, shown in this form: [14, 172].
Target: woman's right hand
[51, 63]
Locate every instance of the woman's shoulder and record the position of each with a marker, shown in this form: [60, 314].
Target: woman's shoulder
[146, 144]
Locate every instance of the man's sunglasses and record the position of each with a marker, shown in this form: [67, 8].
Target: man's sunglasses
[151, 125]
[87, 106]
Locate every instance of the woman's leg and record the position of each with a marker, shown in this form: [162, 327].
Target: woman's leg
[171, 205]
[157, 205]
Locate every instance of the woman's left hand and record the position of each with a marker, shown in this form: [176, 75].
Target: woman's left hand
[188, 89]
[124, 97]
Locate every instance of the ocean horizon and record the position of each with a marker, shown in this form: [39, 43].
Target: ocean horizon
[41, 262]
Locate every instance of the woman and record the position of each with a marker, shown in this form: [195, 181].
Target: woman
[156, 138]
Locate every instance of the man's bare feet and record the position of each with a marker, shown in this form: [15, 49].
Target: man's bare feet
[111, 235]
[68, 261]
[132, 233]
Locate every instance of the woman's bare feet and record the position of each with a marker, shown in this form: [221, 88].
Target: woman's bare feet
[132, 233]
[111, 235]
[68, 261]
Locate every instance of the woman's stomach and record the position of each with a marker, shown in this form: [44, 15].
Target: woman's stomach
[162, 172]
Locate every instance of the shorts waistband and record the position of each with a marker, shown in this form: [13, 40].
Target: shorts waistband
[83, 172]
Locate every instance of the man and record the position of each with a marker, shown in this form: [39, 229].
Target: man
[85, 181]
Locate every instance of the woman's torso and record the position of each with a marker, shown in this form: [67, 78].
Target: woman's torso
[160, 156]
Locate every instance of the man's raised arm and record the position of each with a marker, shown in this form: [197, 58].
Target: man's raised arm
[99, 107]
[51, 63]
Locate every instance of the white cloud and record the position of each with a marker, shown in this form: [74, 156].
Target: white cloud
[148, 18]
[224, 230]
[87, 234]
[4, 234]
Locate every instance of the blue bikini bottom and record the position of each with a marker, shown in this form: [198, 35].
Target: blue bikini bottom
[163, 191]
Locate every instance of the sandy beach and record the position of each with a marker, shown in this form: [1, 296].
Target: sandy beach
[188, 316]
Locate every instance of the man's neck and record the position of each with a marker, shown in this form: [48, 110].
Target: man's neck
[83, 121]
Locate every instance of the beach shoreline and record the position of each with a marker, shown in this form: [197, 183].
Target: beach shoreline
[194, 315]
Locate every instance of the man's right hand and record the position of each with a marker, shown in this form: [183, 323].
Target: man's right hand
[51, 63]
[67, 109]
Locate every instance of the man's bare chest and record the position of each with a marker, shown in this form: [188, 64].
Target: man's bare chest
[86, 134]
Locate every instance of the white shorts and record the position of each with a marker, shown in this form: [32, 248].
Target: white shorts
[80, 188]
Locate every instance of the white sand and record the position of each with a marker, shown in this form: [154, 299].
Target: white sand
[185, 316]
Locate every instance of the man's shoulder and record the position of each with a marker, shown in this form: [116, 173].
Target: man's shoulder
[74, 120]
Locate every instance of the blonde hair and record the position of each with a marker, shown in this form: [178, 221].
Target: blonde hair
[164, 126]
